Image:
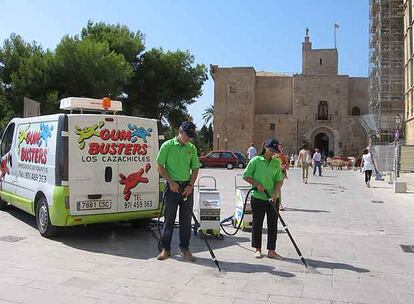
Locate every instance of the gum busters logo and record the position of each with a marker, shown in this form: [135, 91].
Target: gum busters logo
[35, 144]
[115, 145]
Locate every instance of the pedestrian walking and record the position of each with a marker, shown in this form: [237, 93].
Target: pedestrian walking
[292, 160]
[178, 163]
[285, 167]
[368, 164]
[317, 162]
[264, 173]
[305, 160]
[251, 152]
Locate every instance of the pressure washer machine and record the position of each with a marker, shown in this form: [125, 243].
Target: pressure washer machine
[239, 220]
[208, 208]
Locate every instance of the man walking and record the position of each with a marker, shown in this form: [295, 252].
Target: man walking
[178, 163]
[317, 162]
[305, 160]
[251, 152]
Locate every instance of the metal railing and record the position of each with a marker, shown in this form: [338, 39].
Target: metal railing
[394, 159]
[327, 117]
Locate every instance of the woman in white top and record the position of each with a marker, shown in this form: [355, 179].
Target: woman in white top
[368, 164]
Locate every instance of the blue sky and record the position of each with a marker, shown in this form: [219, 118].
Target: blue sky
[264, 34]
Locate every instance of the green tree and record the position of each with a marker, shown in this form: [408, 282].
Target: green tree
[165, 82]
[105, 60]
[208, 115]
[120, 39]
[14, 56]
[205, 138]
[89, 68]
[6, 111]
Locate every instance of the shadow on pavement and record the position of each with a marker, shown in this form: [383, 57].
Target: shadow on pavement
[124, 240]
[22, 216]
[323, 184]
[379, 187]
[329, 265]
[243, 267]
[306, 210]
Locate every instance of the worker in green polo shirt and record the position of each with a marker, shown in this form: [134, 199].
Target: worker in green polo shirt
[178, 163]
[264, 172]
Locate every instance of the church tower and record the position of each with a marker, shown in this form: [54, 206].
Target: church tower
[318, 61]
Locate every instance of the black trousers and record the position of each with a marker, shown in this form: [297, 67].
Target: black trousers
[368, 174]
[260, 208]
[172, 201]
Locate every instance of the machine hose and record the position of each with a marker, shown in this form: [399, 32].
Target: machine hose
[231, 217]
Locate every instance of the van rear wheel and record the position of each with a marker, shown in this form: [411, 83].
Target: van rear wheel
[44, 225]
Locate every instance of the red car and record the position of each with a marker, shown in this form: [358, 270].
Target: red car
[219, 159]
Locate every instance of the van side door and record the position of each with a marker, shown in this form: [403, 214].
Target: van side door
[7, 167]
[93, 166]
[138, 178]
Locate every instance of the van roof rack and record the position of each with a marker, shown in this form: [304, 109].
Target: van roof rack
[83, 104]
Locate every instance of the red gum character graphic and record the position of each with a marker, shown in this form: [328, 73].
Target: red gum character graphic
[132, 180]
[3, 167]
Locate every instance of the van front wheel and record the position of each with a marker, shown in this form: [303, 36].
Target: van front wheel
[44, 225]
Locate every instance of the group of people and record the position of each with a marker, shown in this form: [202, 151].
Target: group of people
[306, 160]
[178, 164]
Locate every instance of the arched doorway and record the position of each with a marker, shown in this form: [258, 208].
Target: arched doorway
[322, 143]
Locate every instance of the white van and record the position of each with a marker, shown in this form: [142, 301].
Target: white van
[76, 169]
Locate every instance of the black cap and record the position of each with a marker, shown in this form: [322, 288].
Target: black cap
[272, 144]
[189, 128]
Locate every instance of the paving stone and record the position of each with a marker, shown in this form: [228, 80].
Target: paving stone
[351, 244]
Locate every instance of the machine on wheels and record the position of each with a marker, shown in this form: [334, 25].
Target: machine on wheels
[244, 221]
[207, 208]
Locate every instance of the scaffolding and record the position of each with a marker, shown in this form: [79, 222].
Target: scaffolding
[386, 66]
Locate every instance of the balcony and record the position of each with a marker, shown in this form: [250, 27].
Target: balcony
[319, 117]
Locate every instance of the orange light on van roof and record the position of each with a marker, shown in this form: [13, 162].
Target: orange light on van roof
[106, 103]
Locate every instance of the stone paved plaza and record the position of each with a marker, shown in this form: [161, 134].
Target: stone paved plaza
[349, 234]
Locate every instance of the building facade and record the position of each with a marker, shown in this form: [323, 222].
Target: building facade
[408, 72]
[317, 106]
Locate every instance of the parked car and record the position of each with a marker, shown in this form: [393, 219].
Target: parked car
[219, 159]
[242, 160]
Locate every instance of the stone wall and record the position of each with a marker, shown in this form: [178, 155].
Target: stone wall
[409, 132]
[358, 94]
[320, 61]
[285, 130]
[274, 95]
[234, 107]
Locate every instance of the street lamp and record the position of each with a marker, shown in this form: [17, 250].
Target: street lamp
[225, 143]
[218, 141]
[396, 137]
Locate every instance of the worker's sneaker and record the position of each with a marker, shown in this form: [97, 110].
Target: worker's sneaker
[186, 254]
[258, 254]
[273, 255]
[164, 254]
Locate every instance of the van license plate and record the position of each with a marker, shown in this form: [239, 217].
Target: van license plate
[93, 205]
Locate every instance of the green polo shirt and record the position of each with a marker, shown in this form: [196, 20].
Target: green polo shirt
[178, 159]
[266, 172]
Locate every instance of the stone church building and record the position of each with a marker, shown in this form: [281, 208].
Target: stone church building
[318, 106]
